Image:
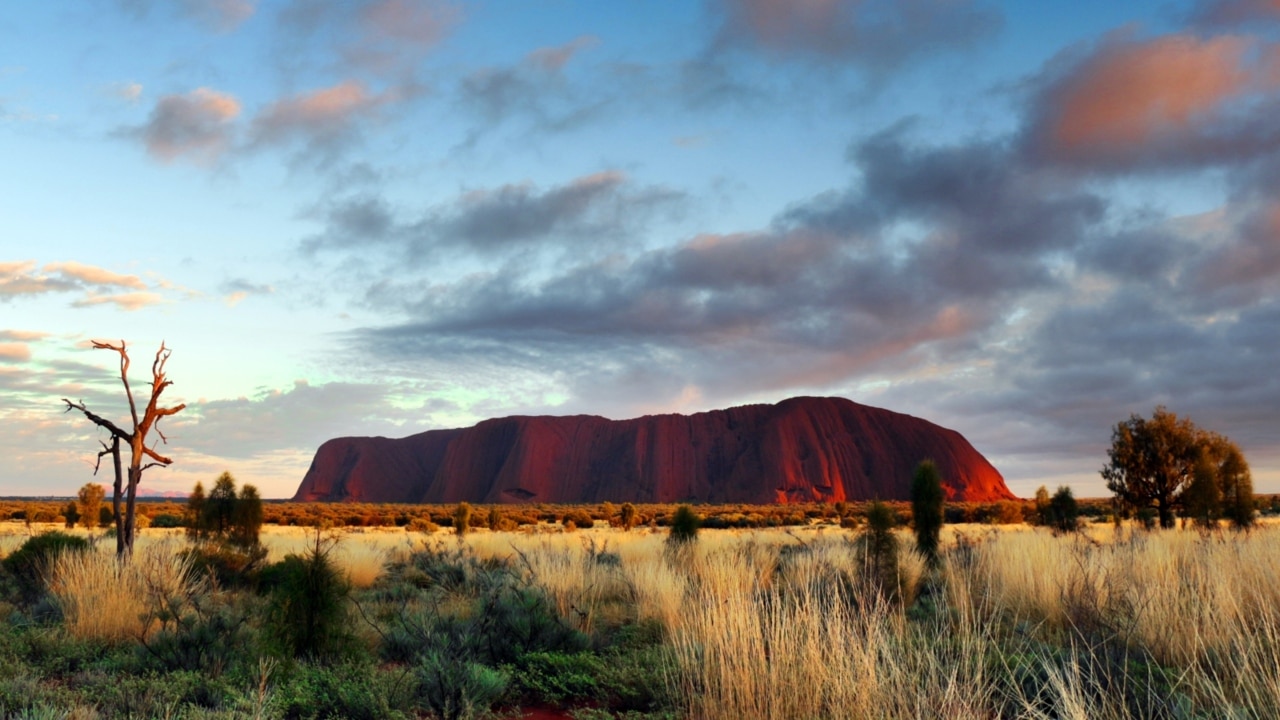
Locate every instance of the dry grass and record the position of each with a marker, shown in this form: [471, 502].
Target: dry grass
[105, 600]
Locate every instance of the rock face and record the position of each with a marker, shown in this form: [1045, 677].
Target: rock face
[801, 450]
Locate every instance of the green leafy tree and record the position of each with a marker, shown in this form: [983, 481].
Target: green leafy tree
[220, 506]
[1202, 500]
[194, 517]
[1064, 511]
[246, 519]
[1235, 482]
[927, 499]
[71, 514]
[89, 500]
[1042, 505]
[1152, 460]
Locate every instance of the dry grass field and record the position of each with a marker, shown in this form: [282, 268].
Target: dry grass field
[1014, 622]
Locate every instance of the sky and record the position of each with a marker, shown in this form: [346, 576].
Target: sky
[1023, 221]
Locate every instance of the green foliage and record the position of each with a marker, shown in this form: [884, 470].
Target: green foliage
[684, 526]
[307, 609]
[105, 517]
[28, 564]
[559, 679]
[229, 565]
[927, 500]
[194, 517]
[1042, 505]
[1235, 483]
[199, 633]
[462, 519]
[1202, 500]
[351, 691]
[218, 512]
[454, 688]
[882, 549]
[71, 514]
[89, 502]
[1064, 511]
[167, 520]
[246, 518]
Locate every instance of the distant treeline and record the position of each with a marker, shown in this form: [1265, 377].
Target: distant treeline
[173, 513]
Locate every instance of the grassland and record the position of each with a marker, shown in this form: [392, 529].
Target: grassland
[791, 622]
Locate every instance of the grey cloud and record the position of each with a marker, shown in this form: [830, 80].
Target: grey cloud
[217, 15]
[878, 35]
[196, 126]
[599, 210]
[1217, 14]
[384, 38]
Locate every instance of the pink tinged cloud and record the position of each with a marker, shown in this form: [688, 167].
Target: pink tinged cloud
[196, 126]
[221, 15]
[411, 22]
[14, 352]
[91, 275]
[323, 112]
[124, 301]
[22, 336]
[1129, 94]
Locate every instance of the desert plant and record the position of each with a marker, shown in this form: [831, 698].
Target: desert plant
[462, 519]
[684, 526]
[246, 518]
[1202, 500]
[89, 500]
[1064, 511]
[307, 608]
[71, 514]
[454, 688]
[926, 509]
[628, 516]
[29, 564]
[882, 549]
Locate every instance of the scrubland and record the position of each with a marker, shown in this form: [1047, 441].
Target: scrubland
[802, 622]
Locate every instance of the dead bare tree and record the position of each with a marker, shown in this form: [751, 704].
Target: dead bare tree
[137, 439]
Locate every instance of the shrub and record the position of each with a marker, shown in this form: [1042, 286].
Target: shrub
[89, 500]
[1064, 511]
[107, 600]
[462, 519]
[167, 520]
[71, 515]
[926, 509]
[628, 516]
[29, 563]
[580, 519]
[882, 549]
[454, 688]
[684, 526]
[559, 679]
[307, 608]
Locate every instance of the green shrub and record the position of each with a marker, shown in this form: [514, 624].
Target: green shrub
[229, 565]
[454, 688]
[926, 509]
[1064, 511]
[559, 679]
[684, 525]
[28, 563]
[167, 520]
[882, 550]
[307, 609]
[350, 691]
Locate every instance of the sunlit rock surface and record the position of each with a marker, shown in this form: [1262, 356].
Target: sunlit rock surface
[800, 450]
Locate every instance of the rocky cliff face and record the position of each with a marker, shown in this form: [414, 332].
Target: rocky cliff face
[800, 450]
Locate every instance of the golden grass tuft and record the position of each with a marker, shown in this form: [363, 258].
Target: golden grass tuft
[105, 600]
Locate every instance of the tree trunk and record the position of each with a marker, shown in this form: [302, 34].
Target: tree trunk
[117, 491]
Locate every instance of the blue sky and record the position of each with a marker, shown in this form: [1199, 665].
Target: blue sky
[1024, 221]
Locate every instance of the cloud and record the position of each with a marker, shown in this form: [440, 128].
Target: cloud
[1231, 13]
[234, 291]
[124, 301]
[11, 352]
[23, 335]
[875, 34]
[90, 275]
[19, 278]
[129, 92]
[600, 210]
[195, 126]
[1178, 100]
[216, 15]
[535, 90]
[383, 38]
[321, 120]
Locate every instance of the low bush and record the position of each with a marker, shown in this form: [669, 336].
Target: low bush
[29, 564]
